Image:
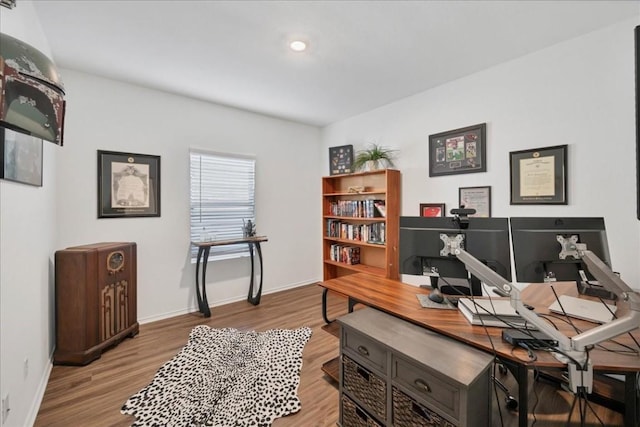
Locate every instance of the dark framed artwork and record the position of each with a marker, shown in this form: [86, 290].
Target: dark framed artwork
[458, 151]
[637, 56]
[21, 157]
[478, 198]
[128, 185]
[539, 176]
[432, 209]
[341, 159]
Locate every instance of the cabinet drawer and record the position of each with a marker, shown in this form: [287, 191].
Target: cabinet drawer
[365, 348]
[365, 386]
[433, 390]
[354, 416]
[408, 413]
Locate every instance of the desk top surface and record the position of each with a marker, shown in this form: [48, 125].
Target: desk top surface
[253, 239]
[399, 299]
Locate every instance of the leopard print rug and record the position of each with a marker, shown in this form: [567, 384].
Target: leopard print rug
[225, 377]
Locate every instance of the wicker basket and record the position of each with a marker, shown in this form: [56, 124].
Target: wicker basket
[408, 413]
[364, 385]
[352, 416]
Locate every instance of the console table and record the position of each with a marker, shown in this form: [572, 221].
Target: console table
[203, 256]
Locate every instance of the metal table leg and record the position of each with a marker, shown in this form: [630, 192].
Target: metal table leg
[255, 300]
[203, 304]
[631, 408]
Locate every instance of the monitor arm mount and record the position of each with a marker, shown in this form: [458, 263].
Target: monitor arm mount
[572, 350]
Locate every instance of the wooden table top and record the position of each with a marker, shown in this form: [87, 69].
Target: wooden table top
[253, 239]
[399, 299]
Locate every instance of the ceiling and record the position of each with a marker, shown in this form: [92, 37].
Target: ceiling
[361, 54]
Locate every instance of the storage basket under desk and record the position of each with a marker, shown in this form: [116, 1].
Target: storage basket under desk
[364, 386]
[353, 416]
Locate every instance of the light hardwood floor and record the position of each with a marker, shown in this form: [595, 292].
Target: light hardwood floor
[92, 395]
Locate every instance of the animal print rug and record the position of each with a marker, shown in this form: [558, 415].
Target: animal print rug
[225, 377]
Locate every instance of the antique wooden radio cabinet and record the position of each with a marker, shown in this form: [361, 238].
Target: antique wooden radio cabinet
[95, 300]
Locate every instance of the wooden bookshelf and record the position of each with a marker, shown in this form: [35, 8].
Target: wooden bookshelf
[349, 203]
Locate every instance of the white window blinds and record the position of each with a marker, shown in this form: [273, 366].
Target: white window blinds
[222, 199]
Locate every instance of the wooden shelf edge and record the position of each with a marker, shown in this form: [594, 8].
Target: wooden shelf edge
[361, 268]
[356, 242]
[332, 369]
[332, 328]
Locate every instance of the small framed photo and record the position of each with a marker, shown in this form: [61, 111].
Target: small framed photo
[539, 176]
[458, 151]
[341, 160]
[432, 209]
[478, 198]
[128, 185]
[21, 157]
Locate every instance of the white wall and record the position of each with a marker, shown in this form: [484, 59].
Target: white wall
[27, 244]
[579, 93]
[108, 115]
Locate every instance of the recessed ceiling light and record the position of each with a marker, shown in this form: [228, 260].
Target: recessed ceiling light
[298, 45]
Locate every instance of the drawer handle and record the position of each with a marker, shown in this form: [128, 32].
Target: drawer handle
[421, 412]
[360, 413]
[422, 385]
[364, 374]
[363, 350]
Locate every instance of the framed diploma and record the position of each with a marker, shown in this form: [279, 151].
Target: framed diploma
[458, 151]
[539, 176]
[478, 198]
[432, 209]
[128, 185]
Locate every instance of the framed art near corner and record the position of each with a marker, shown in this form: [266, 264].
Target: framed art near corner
[21, 157]
[478, 198]
[458, 151]
[432, 209]
[341, 159]
[539, 176]
[128, 185]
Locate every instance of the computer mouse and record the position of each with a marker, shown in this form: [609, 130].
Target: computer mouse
[436, 297]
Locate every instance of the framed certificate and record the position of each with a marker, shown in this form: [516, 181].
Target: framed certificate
[478, 198]
[539, 176]
[128, 185]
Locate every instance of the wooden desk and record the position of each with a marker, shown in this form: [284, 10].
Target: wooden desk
[203, 254]
[399, 299]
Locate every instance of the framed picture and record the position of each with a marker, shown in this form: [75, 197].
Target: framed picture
[539, 176]
[341, 160]
[458, 151]
[21, 157]
[478, 198]
[432, 209]
[128, 185]
[637, 57]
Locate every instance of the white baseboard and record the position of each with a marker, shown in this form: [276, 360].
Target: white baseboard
[193, 308]
[37, 399]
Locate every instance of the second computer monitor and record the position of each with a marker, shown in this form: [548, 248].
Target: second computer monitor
[538, 244]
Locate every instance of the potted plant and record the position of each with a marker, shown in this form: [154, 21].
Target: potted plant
[374, 157]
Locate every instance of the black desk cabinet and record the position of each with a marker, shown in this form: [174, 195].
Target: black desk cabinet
[95, 300]
[393, 373]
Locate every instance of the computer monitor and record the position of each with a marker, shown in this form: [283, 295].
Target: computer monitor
[538, 250]
[421, 243]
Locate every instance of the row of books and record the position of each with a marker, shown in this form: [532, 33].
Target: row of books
[345, 254]
[358, 208]
[370, 233]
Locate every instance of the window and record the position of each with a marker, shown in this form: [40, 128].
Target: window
[222, 200]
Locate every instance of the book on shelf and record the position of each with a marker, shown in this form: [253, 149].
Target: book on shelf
[381, 208]
[491, 312]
